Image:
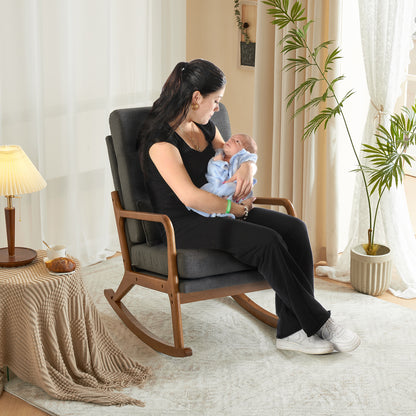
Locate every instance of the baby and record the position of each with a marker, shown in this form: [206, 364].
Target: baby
[238, 149]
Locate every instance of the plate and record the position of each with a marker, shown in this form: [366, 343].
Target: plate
[45, 259]
[61, 274]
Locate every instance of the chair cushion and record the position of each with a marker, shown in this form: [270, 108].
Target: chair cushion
[152, 230]
[218, 281]
[222, 121]
[192, 264]
[125, 126]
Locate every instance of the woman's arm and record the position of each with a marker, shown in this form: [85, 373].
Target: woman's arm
[168, 162]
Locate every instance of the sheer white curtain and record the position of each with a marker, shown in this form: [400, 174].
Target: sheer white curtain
[301, 171]
[65, 65]
[386, 28]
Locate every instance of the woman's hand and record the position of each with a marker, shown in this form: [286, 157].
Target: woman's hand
[241, 210]
[248, 203]
[244, 178]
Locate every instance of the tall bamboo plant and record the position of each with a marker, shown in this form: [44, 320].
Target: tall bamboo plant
[385, 161]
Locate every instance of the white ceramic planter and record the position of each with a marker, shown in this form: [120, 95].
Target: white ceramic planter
[370, 274]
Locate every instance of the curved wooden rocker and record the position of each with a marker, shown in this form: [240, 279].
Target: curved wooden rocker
[170, 285]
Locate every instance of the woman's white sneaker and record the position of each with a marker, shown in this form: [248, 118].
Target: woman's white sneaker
[343, 339]
[300, 342]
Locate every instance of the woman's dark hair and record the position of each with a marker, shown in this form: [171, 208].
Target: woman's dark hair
[174, 101]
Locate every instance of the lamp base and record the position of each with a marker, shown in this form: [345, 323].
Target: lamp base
[21, 257]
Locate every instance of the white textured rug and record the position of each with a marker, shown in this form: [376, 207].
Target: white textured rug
[235, 368]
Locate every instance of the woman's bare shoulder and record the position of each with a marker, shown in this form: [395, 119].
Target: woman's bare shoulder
[164, 152]
[162, 147]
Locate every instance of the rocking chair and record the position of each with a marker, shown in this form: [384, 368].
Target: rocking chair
[184, 275]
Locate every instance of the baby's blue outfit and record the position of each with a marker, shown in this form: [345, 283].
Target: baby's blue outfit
[219, 171]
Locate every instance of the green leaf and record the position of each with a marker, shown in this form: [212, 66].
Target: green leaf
[323, 45]
[331, 58]
[309, 84]
[296, 13]
[298, 64]
[284, 5]
[314, 102]
[346, 96]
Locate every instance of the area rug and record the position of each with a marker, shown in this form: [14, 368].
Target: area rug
[235, 368]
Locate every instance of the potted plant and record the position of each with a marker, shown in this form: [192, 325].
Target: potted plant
[384, 162]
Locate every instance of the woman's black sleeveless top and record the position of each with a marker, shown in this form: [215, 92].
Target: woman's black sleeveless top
[162, 198]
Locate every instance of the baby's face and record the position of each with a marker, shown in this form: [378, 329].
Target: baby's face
[233, 145]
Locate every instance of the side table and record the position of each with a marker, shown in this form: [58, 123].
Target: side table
[51, 335]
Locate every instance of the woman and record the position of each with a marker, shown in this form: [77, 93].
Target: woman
[178, 141]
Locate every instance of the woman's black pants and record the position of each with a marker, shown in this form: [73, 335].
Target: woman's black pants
[278, 246]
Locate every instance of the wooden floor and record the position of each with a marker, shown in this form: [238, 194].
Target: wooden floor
[12, 406]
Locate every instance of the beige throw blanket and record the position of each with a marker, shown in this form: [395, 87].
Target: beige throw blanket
[52, 336]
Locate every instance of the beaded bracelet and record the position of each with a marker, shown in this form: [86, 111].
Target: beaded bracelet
[244, 217]
[228, 210]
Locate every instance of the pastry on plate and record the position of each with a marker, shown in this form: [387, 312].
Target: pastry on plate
[61, 265]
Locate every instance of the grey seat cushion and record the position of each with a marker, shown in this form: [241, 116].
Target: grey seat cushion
[219, 281]
[192, 264]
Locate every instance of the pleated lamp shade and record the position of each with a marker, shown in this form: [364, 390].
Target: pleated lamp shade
[18, 175]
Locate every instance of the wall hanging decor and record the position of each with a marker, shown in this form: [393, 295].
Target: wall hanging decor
[246, 16]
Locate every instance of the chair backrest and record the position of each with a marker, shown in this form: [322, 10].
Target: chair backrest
[123, 146]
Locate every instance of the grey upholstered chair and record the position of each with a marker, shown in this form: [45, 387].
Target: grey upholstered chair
[184, 275]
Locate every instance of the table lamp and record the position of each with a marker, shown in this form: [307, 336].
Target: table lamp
[18, 176]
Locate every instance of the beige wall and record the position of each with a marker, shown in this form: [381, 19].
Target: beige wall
[212, 34]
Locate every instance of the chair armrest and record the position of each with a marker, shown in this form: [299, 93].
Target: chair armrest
[122, 214]
[150, 216]
[284, 202]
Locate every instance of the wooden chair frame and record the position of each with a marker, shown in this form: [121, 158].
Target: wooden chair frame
[170, 286]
